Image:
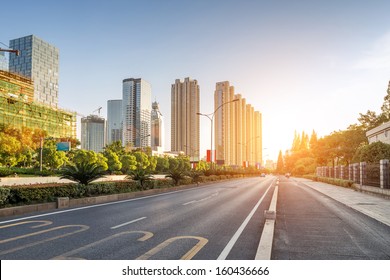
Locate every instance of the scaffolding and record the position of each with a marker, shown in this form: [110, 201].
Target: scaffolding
[18, 110]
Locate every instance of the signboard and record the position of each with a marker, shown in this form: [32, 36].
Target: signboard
[63, 146]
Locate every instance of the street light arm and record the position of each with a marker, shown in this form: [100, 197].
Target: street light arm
[234, 100]
[11, 51]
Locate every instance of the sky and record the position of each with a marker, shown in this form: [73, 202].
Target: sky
[305, 65]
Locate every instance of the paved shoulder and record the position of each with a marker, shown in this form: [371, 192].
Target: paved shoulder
[375, 207]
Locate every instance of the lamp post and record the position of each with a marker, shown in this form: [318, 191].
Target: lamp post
[246, 147]
[210, 116]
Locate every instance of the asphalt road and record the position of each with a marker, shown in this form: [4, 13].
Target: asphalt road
[312, 226]
[220, 221]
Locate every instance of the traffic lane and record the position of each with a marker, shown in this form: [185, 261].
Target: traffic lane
[310, 225]
[216, 220]
[98, 231]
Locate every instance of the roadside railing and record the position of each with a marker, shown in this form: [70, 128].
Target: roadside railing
[364, 174]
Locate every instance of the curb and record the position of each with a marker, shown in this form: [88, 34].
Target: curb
[265, 245]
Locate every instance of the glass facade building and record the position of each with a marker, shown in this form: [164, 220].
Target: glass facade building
[38, 61]
[136, 112]
[114, 121]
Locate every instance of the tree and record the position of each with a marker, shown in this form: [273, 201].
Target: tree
[83, 172]
[373, 153]
[140, 175]
[80, 156]
[9, 147]
[202, 166]
[113, 162]
[51, 157]
[116, 147]
[162, 164]
[129, 162]
[280, 163]
[176, 175]
[152, 163]
[142, 159]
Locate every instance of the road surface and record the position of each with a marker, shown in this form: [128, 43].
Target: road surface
[219, 221]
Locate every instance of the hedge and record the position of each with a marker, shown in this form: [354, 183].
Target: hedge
[332, 181]
[39, 193]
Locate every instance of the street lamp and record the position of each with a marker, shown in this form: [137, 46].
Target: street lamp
[246, 147]
[210, 116]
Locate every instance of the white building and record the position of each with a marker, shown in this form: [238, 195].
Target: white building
[380, 133]
[93, 133]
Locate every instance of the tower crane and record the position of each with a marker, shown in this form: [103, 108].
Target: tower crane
[97, 110]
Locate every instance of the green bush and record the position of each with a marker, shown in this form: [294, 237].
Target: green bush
[332, 181]
[4, 194]
[4, 172]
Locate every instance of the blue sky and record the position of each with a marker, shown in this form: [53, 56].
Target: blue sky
[304, 64]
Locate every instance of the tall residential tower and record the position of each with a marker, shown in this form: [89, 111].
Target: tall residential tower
[238, 129]
[185, 102]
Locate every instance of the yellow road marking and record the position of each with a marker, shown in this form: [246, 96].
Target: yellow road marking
[189, 255]
[82, 228]
[44, 223]
[68, 255]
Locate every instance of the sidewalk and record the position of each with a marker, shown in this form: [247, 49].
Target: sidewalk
[375, 207]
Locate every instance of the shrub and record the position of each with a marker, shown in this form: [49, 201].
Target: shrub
[4, 172]
[332, 181]
[4, 194]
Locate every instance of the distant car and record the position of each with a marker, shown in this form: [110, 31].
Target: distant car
[262, 175]
[287, 175]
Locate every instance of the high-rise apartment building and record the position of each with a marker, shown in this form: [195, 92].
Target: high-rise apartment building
[185, 104]
[38, 61]
[114, 121]
[93, 133]
[238, 129]
[136, 110]
[157, 128]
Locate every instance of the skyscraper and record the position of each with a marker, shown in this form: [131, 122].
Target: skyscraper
[185, 102]
[238, 129]
[224, 123]
[157, 131]
[136, 110]
[38, 61]
[114, 121]
[93, 133]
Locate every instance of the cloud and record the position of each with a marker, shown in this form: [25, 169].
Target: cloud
[378, 56]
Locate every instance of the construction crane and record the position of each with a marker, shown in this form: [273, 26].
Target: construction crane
[98, 110]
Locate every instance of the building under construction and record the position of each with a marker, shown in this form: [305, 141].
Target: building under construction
[17, 108]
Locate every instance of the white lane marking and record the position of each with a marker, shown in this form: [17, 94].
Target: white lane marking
[235, 237]
[201, 200]
[128, 223]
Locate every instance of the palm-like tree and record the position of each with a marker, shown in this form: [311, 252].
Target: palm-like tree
[82, 172]
[176, 175]
[140, 175]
